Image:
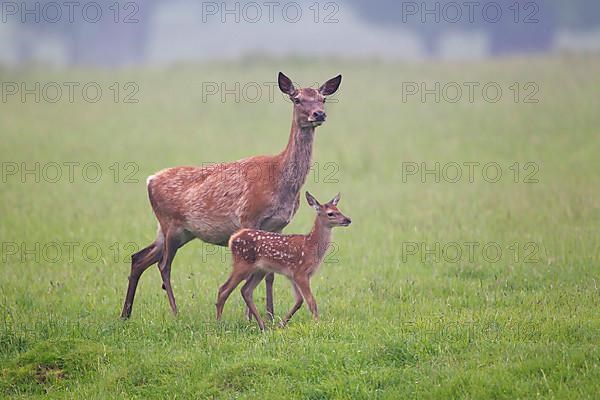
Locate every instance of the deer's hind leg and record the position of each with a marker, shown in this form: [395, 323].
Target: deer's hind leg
[140, 262]
[174, 239]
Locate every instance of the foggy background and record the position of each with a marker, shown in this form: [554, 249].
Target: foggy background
[159, 32]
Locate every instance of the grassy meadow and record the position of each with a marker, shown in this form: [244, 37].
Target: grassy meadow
[487, 287]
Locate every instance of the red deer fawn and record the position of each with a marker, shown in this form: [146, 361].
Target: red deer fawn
[257, 253]
[213, 202]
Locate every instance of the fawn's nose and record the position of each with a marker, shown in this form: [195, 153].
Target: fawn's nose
[319, 115]
[348, 221]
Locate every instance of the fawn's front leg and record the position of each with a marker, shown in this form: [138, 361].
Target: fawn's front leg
[303, 283]
[296, 306]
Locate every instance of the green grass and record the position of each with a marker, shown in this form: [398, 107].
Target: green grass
[393, 325]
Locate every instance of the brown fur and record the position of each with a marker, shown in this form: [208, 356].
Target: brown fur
[257, 253]
[211, 203]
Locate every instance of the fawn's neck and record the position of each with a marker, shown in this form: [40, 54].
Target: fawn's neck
[319, 238]
[296, 159]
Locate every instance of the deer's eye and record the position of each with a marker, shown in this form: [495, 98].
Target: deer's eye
[330, 214]
[296, 100]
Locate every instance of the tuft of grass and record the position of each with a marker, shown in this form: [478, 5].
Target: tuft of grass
[248, 375]
[50, 365]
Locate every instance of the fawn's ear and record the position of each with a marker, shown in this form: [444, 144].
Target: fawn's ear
[285, 84]
[331, 86]
[335, 200]
[312, 201]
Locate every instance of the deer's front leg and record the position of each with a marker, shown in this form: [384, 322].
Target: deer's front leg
[269, 289]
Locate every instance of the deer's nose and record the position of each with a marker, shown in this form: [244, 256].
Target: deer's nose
[319, 115]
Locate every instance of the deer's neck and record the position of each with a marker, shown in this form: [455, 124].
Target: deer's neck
[296, 159]
[319, 238]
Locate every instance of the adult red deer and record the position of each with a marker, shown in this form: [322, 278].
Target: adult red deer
[211, 203]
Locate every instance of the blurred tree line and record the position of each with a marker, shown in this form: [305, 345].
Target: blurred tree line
[118, 35]
[121, 36]
[525, 25]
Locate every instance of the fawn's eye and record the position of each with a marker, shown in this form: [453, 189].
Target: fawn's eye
[330, 214]
[296, 100]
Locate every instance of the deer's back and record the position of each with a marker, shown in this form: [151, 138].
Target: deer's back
[215, 201]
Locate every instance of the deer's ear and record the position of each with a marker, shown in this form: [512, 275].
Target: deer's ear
[312, 201]
[285, 84]
[335, 200]
[331, 86]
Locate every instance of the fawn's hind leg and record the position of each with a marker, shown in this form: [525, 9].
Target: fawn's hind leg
[248, 290]
[238, 274]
